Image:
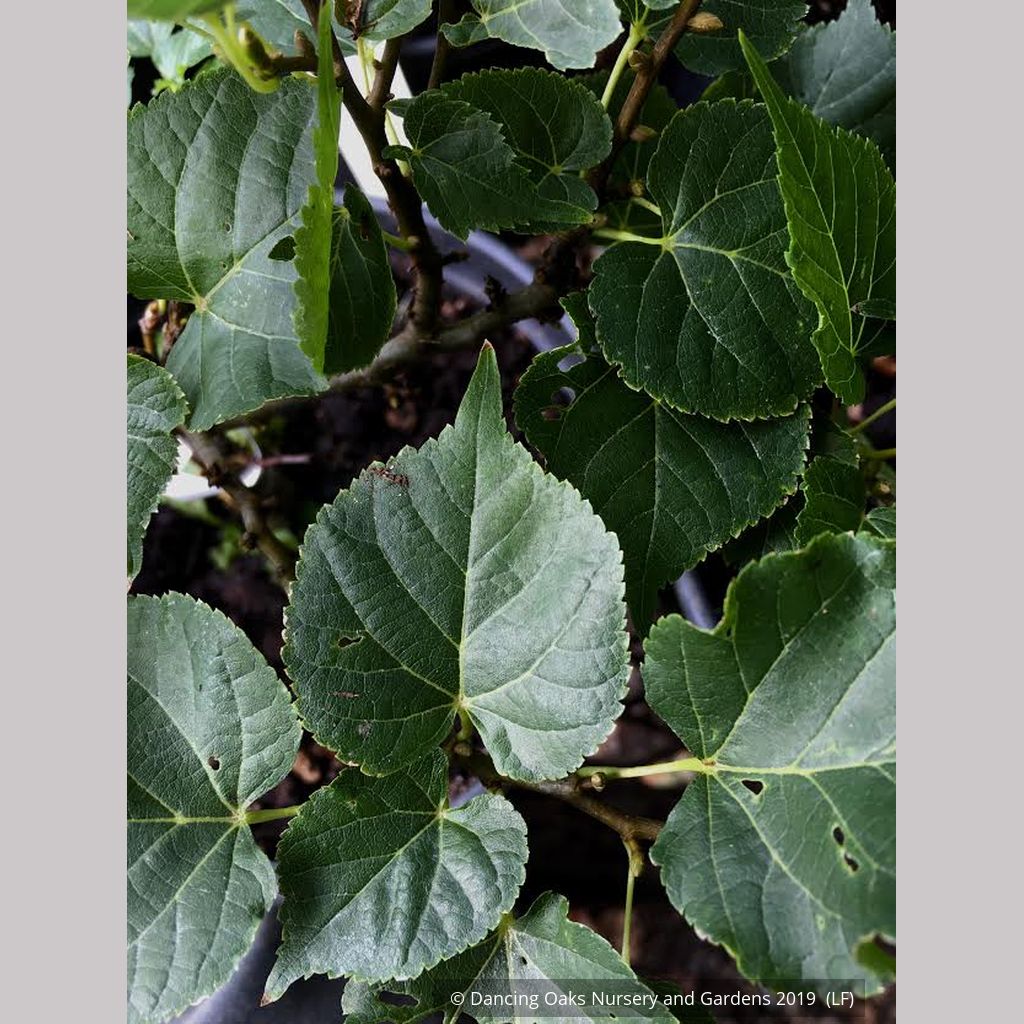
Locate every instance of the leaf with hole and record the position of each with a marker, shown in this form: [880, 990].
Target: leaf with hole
[554, 125]
[671, 486]
[460, 578]
[541, 954]
[383, 879]
[570, 32]
[210, 729]
[840, 202]
[709, 321]
[155, 407]
[782, 850]
[195, 158]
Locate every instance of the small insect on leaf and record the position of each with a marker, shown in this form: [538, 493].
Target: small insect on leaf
[399, 479]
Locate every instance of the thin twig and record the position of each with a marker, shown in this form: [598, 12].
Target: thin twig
[628, 826]
[213, 453]
[380, 91]
[445, 15]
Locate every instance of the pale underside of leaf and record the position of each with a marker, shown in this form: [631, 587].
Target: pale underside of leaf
[217, 176]
[460, 577]
[210, 728]
[710, 321]
[382, 879]
[570, 32]
[790, 702]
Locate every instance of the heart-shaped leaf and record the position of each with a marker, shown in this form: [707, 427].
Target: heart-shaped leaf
[570, 32]
[840, 201]
[210, 728]
[460, 578]
[670, 485]
[155, 407]
[542, 955]
[783, 848]
[194, 157]
[382, 879]
[708, 319]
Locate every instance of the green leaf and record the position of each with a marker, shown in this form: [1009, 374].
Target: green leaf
[770, 24]
[460, 577]
[210, 729]
[195, 159]
[362, 290]
[845, 71]
[313, 239]
[840, 202]
[671, 486]
[570, 32]
[555, 126]
[834, 496]
[146, 36]
[776, 533]
[155, 407]
[467, 172]
[783, 848]
[385, 19]
[171, 10]
[709, 320]
[382, 879]
[277, 21]
[881, 522]
[542, 953]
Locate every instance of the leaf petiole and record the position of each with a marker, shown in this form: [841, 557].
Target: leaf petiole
[271, 814]
[877, 414]
[686, 764]
[637, 34]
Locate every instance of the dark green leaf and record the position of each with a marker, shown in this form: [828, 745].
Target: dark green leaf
[834, 498]
[385, 19]
[570, 32]
[845, 71]
[542, 953]
[362, 290]
[783, 848]
[881, 522]
[770, 24]
[460, 577]
[467, 172]
[382, 879]
[554, 125]
[210, 729]
[671, 486]
[709, 321]
[840, 202]
[155, 407]
[313, 239]
[196, 157]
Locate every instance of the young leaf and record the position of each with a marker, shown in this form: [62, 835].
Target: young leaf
[771, 24]
[362, 289]
[461, 577]
[382, 879]
[386, 19]
[671, 486]
[194, 158]
[210, 728]
[845, 71]
[881, 522]
[710, 321]
[313, 248]
[840, 202]
[570, 32]
[541, 953]
[783, 848]
[555, 126]
[155, 407]
[467, 172]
